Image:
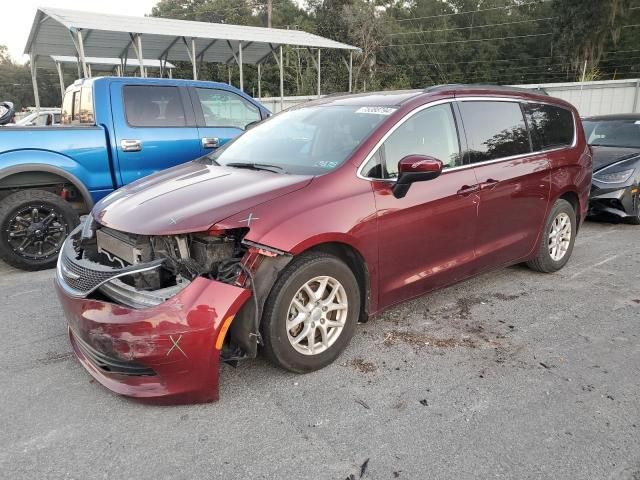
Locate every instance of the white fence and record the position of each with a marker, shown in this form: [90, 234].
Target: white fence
[590, 98]
[597, 98]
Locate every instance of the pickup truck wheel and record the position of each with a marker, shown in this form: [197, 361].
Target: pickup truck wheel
[311, 313]
[33, 226]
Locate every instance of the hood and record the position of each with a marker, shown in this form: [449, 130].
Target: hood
[605, 156]
[191, 198]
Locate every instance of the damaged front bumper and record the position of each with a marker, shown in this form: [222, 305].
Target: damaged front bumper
[162, 347]
[620, 201]
[167, 352]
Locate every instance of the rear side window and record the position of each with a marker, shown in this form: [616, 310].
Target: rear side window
[494, 130]
[67, 108]
[226, 109]
[86, 114]
[551, 126]
[153, 106]
[77, 107]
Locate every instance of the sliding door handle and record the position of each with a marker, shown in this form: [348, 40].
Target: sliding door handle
[489, 184]
[468, 190]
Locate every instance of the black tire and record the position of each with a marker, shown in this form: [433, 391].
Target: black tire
[277, 346]
[544, 262]
[63, 222]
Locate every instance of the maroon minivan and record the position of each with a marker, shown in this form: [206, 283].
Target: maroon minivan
[314, 219]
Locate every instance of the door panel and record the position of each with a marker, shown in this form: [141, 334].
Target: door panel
[426, 238]
[154, 129]
[514, 183]
[512, 209]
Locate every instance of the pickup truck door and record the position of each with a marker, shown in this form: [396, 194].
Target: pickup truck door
[221, 116]
[154, 129]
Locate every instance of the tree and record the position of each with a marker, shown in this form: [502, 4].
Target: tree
[583, 28]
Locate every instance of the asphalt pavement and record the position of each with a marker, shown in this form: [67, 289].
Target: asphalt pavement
[513, 374]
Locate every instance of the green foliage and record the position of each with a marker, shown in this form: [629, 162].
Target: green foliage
[16, 86]
[583, 28]
[408, 43]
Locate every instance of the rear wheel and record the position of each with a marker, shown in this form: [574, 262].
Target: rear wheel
[557, 239]
[33, 225]
[311, 313]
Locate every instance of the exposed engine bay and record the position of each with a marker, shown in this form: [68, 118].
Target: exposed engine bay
[143, 271]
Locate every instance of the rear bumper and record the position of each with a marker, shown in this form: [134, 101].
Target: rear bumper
[167, 353]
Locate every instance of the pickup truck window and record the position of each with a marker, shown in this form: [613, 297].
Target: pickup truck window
[86, 106]
[75, 116]
[226, 109]
[153, 106]
[77, 107]
[67, 108]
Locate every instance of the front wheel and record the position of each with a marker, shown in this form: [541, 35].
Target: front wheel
[311, 313]
[33, 226]
[557, 239]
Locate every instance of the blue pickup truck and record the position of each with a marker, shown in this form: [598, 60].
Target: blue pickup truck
[113, 131]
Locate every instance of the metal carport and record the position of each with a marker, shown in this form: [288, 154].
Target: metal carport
[84, 34]
[109, 65]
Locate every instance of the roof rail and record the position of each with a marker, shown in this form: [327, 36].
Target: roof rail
[505, 88]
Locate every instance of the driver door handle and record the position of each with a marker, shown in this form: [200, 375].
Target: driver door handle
[468, 190]
[210, 142]
[131, 145]
[489, 184]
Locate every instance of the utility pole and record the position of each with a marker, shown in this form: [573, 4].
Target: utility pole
[269, 12]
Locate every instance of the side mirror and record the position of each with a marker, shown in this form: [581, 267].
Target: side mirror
[415, 168]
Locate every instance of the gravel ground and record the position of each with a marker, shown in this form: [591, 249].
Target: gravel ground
[510, 375]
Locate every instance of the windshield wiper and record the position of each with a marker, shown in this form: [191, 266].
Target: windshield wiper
[256, 166]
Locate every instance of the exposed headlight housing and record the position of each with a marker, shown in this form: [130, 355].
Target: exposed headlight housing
[614, 177]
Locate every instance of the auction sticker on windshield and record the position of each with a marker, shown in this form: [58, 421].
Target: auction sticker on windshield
[376, 110]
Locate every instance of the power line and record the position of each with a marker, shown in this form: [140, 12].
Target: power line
[512, 37]
[470, 27]
[504, 7]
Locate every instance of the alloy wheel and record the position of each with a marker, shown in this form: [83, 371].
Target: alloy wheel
[559, 236]
[36, 231]
[317, 315]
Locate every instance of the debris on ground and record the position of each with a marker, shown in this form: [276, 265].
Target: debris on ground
[363, 366]
[363, 403]
[363, 468]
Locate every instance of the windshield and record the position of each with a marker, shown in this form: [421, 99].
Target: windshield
[307, 141]
[613, 133]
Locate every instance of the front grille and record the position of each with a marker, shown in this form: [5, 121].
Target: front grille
[82, 276]
[110, 364]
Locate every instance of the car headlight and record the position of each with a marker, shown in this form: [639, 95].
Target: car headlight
[614, 177]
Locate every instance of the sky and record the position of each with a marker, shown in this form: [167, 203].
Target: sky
[17, 16]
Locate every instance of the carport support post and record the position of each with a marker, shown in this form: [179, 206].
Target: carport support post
[240, 65]
[636, 97]
[83, 60]
[350, 71]
[138, 48]
[318, 73]
[193, 58]
[34, 80]
[61, 78]
[281, 65]
[259, 81]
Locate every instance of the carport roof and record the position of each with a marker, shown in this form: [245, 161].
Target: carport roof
[105, 35]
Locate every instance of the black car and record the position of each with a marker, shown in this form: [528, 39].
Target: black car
[615, 142]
